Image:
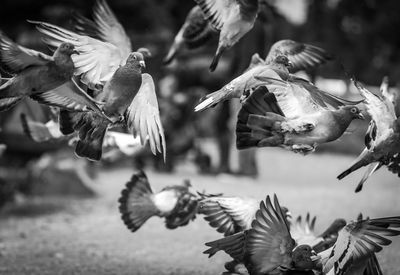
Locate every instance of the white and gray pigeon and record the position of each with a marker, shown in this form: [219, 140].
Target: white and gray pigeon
[382, 139]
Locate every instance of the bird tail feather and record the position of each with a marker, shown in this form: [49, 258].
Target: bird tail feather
[358, 163]
[135, 203]
[232, 245]
[371, 169]
[175, 47]
[92, 130]
[373, 266]
[216, 58]
[257, 118]
[212, 99]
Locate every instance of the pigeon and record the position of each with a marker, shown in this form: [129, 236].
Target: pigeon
[195, 32]
[138, 203]
[356, 245]
[382, 139]
[103, 44]
[302, 56]
[293, 55]
[233, 18]
[262, 122]
[130, 100]
[246, 81]
[46, 79]
[267, 248]
[230, 215]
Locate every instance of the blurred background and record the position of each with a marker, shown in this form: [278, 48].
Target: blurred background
[59, 213]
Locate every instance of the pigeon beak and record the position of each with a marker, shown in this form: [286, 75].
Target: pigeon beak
[290, 64]
[142, 64]
[76, 52]
[361, 116]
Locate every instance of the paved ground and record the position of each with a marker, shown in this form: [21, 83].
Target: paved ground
[71, 236]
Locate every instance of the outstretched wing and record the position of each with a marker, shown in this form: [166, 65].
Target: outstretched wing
[14, 58]
[216, 11]
[143, 116]
[269, 243]
[229, 215]
[359, 240]
[302, 231]
[381, 111]
[97, 60]
[106, 27]
[302, 56]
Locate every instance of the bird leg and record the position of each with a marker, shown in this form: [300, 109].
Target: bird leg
[303, 148]
[296, 126]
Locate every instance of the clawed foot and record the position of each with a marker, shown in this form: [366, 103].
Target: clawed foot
[305, 127]
[303, 148]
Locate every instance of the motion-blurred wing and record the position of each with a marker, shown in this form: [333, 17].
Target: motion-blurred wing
[358, 240]
[97, 60]
[110, 29]
[143, 116]
[14, 58]
[381, 111]
[216, 11]
[303, 231]
[269, 242]
[229, 214]
[302, 56]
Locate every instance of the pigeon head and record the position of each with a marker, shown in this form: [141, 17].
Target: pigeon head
[354, 111]
[284, 60]
[67, 49]
[304, 257]
[136, 60]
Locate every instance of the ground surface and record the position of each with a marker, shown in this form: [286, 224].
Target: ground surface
[71, 236]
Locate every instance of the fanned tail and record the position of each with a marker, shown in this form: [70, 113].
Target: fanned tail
[256, 120]
[135, 203]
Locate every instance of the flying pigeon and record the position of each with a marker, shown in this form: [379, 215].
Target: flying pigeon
[267, 248]
[103, 44]
[356, 245]
[302, 56]
[129, 99]
[46, 79]
[138, 203]
[238, 87]
[262, 122]
[233, 18]
[293, 55]
[382, 139]
[195, 32]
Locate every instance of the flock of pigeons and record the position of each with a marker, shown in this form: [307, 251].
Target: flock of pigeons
[94, 82]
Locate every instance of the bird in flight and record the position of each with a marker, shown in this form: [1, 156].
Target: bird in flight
[382, 139]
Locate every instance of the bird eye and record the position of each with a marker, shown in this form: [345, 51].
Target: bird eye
[134, 57]
[354, 110]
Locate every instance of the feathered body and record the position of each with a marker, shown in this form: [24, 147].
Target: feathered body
[138, 203]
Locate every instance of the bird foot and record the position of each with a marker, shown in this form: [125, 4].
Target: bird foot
[303, 148]
[296, 128]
